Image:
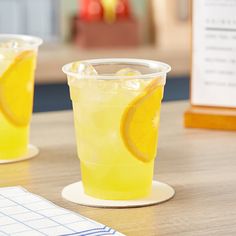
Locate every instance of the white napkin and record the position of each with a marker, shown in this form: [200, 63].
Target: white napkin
[25, 214]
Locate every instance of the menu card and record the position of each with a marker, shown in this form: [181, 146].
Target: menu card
[214, 53]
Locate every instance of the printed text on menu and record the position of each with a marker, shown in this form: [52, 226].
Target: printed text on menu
[214, 53]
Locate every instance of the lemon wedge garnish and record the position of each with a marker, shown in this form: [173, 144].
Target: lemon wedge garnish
[16, 88]
[140, 121]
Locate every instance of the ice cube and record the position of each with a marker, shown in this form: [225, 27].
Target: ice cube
[131, 84]
[128, 72]
[83, 68]
[13, 43]
[7, 56]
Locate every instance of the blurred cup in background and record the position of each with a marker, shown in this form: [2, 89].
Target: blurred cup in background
[18, 55]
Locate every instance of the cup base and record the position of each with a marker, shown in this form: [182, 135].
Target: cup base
[31, 152]
[161, 192]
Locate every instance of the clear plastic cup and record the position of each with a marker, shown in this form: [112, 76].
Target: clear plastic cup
[18, 55]
[116, 117]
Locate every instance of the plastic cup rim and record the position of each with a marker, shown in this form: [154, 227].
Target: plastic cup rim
[144, 62]
[36, 41]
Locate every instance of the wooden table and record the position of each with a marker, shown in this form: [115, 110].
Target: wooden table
[199, 164]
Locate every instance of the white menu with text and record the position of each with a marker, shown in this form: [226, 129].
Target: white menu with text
[214, 53]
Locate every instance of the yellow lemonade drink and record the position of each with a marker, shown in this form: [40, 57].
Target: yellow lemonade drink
[17, 66]
[116, 118]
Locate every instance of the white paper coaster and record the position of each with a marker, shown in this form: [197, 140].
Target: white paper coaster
[32, 152]
[161, 192]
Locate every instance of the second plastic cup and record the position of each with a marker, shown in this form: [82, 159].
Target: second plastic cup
[116, 118]
[18, 55]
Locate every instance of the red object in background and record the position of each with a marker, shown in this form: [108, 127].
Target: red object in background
[91, 10]
[82, 5]
[123, 32]
[123, 9]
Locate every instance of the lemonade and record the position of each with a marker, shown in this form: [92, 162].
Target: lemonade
[116, 120]
[17, 66]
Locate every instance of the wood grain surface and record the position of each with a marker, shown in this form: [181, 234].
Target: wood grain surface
[199, 164]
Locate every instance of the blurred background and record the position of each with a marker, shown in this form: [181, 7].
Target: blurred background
[85, 29]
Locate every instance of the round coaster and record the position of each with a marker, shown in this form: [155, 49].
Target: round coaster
[161, 192]
[32, 152]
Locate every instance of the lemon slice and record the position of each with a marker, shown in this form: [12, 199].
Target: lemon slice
[16, 88]
[139, 123]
